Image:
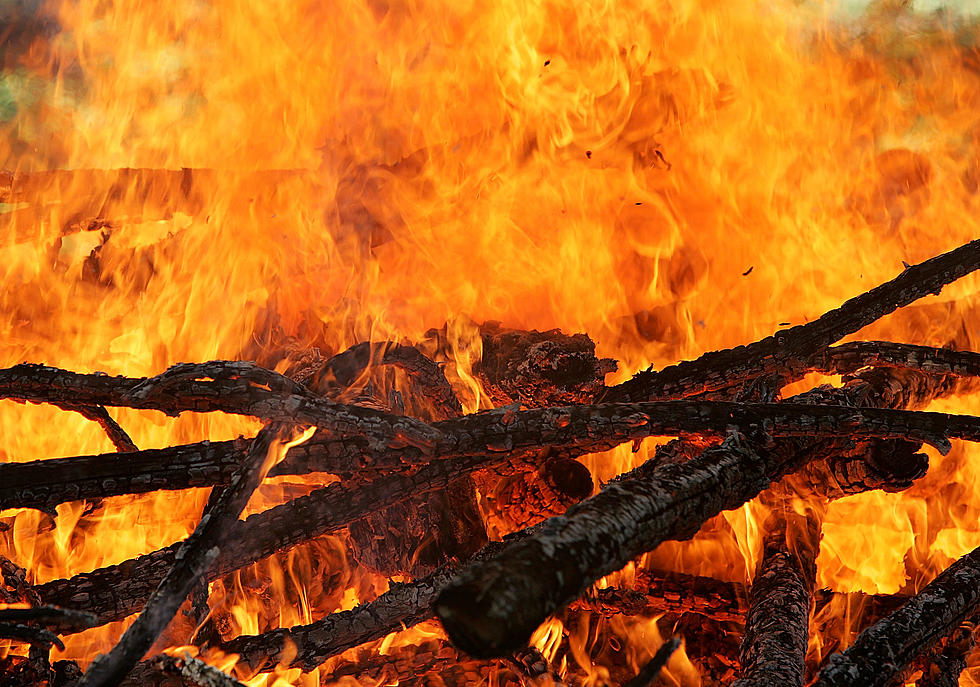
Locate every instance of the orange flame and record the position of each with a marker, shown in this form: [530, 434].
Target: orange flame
[670, 176]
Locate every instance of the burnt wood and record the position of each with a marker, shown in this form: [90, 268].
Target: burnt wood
[789, 348]
[886, 648]
[776, 628]
[230, 386]
[496, 606]
[571, 430]
[944, 666]
[498, 437]
[98, 414]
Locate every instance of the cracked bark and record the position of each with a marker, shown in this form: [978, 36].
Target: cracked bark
[776, 628]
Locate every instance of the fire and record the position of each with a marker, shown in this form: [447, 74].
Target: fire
[670, 176]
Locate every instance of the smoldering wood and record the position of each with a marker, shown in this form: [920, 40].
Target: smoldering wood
[497, 438]
[191, 562]
[492, 607]
[632, 515]
[538, 369]
[23, 671]
[834, 468]
[338, 374]
[602, 534]
[115, 591]
[438, 525]
[657, 591]
[414, 666]
[776, 628]
[883, 650]
[15, 588]
[786, 350]
[414, 536]
[521, 499]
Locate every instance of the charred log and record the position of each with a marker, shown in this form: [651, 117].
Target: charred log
[495, 606]
[416, 536]
[887, 647]
[538, 369]
[853, 356]
[492, 608]
[776, 628]
[232, 387]
[15, 588]
[787, 349]
[570, 431]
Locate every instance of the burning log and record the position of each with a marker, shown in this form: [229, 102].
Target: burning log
[570, 431]
[440, 524]
[191, 563]
[776, 629]
[488, 612]
[308, 646]
[502, 436]
[657, 591]
[855, 355]
[538, 369]
[887, 647]
[784, 351]
[493, 607]
[233, 387]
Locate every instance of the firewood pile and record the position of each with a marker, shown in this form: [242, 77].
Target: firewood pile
[424, 494]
